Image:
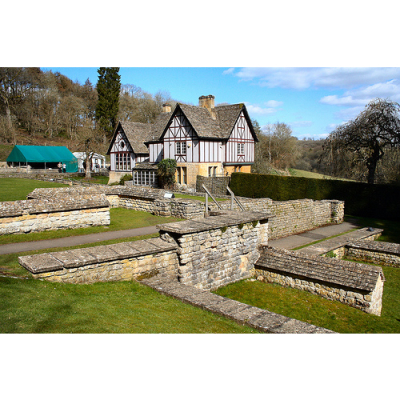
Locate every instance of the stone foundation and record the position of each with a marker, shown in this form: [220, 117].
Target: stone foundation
[206, 253]
[217, 250]
[118, 262]
[55, 212]
[357, 285]
[376, 252]
[294, 216]
[291, 217]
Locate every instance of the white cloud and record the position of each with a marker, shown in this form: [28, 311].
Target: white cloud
[273, 103]
[228, 71]
[362, 96]
[300, 124]
[271, 107]
[303, 78]
[348, 113]
[260, 110]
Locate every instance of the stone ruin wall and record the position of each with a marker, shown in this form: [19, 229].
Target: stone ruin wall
[353, 284]
[134, 267]
[223, 253]
[369, 250]
[367, 301]
[58, 210]
[216, 251]
[293, 216]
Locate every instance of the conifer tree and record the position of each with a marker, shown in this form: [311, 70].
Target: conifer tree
[108, 89]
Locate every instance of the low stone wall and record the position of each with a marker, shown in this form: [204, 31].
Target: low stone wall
[294, 216]
[357, 285]
[206, 253]
[178, 208]
[377, 252]
[39, 215]
[117, 262]
[290, 217]
[215, 184]
[217, 250]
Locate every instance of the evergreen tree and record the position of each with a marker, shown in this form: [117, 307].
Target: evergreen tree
[108, 89]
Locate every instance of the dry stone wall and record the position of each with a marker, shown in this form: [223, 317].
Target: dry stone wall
[206, 253]
[378, 252]
[37, 215]
[215, 184]
[290, 217]
[217, 250]
[294, 216]
[357, 285]
[117, 262]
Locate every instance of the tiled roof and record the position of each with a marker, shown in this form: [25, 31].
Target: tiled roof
[137, 134]
[200, 118]
[202, 121]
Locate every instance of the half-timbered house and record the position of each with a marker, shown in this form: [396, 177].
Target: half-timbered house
[204, 140]
[127, 148]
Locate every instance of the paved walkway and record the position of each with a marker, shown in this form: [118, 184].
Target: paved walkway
[288, 243]
[338, 241]
[257, 318]
[75, 240]
[302, 239]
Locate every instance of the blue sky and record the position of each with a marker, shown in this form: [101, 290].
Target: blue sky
[311, 100]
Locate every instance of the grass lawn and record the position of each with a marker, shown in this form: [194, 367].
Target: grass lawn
[32, 306]
[5, 150]
[391, 229]
[306, 174]
[318, 311]
[94, 179]
[201, 198]
[12, 189]
[121, 219]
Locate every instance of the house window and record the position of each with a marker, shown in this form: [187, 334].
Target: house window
[122, 162]
[184, 175]
[181, 175]
[240, 148]
[145, 178]
[181, 148]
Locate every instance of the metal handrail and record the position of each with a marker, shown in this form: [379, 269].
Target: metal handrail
[233, 197]
[209, 194]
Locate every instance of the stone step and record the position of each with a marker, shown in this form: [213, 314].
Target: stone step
[257, 318]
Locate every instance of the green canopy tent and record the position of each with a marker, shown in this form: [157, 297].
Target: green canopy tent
[43, 157]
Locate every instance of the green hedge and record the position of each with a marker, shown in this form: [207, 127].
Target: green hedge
[361, 199]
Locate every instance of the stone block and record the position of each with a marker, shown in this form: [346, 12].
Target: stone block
[40, 263]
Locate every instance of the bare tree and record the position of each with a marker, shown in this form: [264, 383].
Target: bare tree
[90, 141]
[15, 83]
[362, 142]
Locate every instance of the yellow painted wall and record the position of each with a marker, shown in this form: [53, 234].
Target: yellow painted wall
[231, 168]
[194, 169]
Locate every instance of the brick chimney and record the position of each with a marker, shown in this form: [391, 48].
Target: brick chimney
[166, 108]
[208, 102]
